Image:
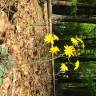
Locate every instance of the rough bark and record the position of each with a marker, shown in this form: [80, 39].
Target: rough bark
[30, 75]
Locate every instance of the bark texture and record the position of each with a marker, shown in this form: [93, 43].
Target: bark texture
[30, 74]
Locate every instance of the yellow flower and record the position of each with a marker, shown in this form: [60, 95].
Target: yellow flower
[77, 64]
[63, 67]
[55, 37]
[66, 76]
[83, 46]
[50, 38]
[69, 51]
[80, 41]
[74, 41]
[54, 50]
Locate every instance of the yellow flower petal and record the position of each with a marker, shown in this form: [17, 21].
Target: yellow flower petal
[55, 37]
[54, 50]
[80, 41]
[63, 67]
[74, 41]
[50, 38]
[66, 76]
[69, 50]
[77, 64]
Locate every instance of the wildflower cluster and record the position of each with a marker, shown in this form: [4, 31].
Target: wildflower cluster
[50, 38]
[69, 51]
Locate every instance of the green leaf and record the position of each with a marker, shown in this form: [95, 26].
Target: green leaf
[3, 68]
[4, 51]
[1, 94]
[30, 23]
[1, 82]
[0, 48]
[10, 60]
[1, 73]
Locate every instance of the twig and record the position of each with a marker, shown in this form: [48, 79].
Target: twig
[14, 80]
[50, 30]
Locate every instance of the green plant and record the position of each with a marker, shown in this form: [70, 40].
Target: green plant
[5, 62]
[88, 72]
[1, 94]
[74, 6]
[69, 52]
[41, 2]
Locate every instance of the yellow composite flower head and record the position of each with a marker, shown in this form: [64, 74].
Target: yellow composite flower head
[63, 67]
[55, 37]
[69, 50]
[74, 41]
[80, 41]
[50, 38]
[54, 50]
[77, 64]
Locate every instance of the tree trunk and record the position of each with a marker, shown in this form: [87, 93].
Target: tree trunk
[31, 74]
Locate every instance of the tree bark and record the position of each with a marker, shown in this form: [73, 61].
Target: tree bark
[31, 74]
